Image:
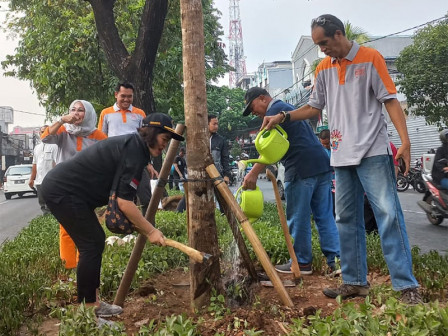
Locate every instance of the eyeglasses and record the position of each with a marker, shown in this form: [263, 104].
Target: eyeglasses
[320, 21]
[77, 110]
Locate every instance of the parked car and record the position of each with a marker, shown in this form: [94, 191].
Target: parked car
[16, 179]
[281, 180]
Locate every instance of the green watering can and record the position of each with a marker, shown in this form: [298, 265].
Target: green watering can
[272, 145]
[251, 202]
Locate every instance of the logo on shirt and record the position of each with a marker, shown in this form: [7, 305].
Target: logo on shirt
[360, 72]
[134, 183]
[335, 138]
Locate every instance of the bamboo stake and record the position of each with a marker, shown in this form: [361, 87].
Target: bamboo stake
[251, 235]
[140, 242]
[281, 214]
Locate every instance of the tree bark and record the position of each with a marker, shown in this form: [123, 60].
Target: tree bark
[138, 67]
[201, 220]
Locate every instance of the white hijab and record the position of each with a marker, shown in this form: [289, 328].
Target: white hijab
[88, 124]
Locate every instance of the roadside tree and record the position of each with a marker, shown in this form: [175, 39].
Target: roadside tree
[424, 73]
[72, 49]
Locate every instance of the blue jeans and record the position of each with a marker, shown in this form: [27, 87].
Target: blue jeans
[376, 177]
[304, 196]
[443, 183]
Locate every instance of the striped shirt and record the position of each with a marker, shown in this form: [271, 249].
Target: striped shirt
[353, 92]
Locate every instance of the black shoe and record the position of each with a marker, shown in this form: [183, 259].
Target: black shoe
[285, 268]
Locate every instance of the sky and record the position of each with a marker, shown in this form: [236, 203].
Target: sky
[271, 31]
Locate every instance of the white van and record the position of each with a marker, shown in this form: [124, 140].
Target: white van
[16, 179]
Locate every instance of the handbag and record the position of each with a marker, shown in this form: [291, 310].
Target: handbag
[115, 219]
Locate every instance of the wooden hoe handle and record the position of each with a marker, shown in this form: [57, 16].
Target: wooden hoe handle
[191, 252]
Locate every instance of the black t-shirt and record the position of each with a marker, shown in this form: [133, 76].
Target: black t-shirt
[91, 172]
[181, 164]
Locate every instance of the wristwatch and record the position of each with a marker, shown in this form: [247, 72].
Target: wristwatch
[60, 121]
[286, 116]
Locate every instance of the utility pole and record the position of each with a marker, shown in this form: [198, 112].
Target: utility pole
[202, 233]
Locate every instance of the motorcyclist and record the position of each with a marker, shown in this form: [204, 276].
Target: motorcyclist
[439, 169]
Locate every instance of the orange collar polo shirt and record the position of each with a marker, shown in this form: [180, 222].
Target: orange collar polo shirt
[353, 92]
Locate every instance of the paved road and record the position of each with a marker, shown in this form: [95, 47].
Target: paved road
[421, 233]
[16, 214]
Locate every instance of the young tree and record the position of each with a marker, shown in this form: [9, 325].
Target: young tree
[424, 69]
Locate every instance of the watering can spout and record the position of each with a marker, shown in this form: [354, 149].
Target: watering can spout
[259, 160]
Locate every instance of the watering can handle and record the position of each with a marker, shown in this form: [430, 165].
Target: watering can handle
[264, 130]
[282, 131]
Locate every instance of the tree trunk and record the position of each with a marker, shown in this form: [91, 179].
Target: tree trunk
[201, 215]
[138, 67]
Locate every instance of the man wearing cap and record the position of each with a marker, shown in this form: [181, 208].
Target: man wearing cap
[353, 83]
[307, 183]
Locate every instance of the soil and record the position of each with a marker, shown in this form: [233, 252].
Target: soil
[168, 294]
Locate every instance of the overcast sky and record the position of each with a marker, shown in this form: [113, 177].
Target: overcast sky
[271, 30]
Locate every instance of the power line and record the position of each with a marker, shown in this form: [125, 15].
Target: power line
[403, 31]
[371, 40]
[33, 113]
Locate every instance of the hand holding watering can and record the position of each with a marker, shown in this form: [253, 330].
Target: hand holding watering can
[272, 145]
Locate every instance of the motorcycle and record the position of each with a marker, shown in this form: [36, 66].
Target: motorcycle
[234, 178]
[434, 202]
[413, 178]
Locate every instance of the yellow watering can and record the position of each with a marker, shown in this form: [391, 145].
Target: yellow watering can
[272, 145]
[251, 202]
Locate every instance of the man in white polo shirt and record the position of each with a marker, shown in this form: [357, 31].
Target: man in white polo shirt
[353, 83]
[44, 159]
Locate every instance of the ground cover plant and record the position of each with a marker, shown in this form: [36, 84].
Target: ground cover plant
[37, 293]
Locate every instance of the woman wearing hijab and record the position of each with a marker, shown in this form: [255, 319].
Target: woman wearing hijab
[73, 189]
[72, 133]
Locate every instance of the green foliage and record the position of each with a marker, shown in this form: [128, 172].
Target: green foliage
[393, 318]
[60, 54]
[217, 306]
[424, 69]
[178, 325]
[168, 74]
[228, 105]
[81, 320]
[28, 265]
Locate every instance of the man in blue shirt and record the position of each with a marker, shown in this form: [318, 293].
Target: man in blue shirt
[307, 183]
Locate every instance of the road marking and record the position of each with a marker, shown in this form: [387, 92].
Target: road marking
[3, 202]
[417, 212]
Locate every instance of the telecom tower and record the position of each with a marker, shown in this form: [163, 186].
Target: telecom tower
[236, 50]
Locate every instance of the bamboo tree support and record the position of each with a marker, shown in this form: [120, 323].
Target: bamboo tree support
[281, 214]
[251, 235]
[140, 242]
[238, 236]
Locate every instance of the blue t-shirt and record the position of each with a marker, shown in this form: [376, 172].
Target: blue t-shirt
[306, 157]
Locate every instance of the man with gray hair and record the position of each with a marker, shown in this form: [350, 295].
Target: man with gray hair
[353, 83]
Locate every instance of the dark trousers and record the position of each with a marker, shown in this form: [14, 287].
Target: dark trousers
[81, 223]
